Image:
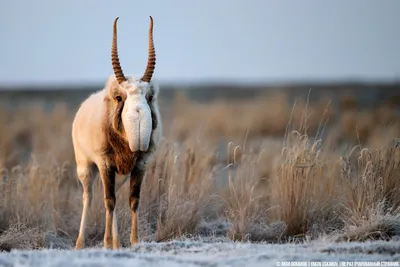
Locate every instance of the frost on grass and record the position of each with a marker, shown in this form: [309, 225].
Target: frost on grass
[20, 237]
[379, 226]
[198, 253]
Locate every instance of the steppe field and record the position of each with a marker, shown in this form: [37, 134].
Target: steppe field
[244, 176]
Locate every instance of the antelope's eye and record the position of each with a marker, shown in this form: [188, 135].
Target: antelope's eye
[118, 98]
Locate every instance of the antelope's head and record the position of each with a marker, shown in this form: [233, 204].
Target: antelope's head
[130, 99]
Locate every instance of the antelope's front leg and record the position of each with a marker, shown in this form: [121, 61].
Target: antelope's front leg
[108, 179]
[86, 177]
[134, 195]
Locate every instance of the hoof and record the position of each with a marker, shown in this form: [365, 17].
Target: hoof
[116, 244]
[134, 241]
[108, 243]
[79, 244]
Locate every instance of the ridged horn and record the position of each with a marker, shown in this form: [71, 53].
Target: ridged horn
[119, 74]
[151, 61]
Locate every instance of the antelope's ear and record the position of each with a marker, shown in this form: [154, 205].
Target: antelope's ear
[112, 86]
[154, 89]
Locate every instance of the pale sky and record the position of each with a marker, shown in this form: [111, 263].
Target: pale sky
[48, 41]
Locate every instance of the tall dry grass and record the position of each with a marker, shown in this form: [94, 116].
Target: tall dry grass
[261, 170]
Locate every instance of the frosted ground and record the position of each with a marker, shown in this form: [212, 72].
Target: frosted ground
[200, 253]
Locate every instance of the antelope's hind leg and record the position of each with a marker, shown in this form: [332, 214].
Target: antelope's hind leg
[86, 175]
[134, 195]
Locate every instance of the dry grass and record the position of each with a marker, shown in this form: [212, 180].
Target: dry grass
[261, 170]
[267, 115]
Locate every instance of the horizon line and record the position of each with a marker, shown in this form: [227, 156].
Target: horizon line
[207, 82]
